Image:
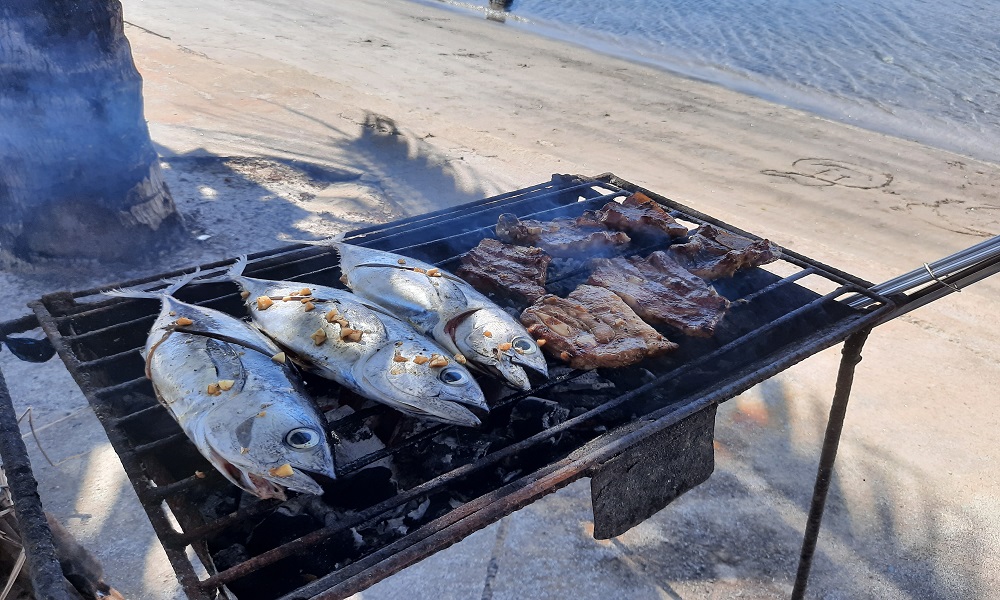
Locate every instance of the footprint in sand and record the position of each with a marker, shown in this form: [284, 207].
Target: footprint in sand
[817, 172]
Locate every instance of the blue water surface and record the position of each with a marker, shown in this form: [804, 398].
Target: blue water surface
[927, 71]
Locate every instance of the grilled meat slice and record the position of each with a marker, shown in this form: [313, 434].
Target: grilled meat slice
[638, 215]
[513, 272]
[593, 328]
[661, 291]
[713, 253]
[560, 237]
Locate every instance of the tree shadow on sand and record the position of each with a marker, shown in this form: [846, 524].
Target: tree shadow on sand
[741, 531]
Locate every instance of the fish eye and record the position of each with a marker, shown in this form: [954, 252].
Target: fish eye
[453, 376]
[523, 344]
[302, 438]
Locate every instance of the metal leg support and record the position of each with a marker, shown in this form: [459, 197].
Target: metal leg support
[851, 356]
[43, 566]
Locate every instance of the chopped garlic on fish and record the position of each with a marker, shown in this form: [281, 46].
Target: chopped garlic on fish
[226, 384]
[263, 302]
[309, 306]
[279, 358]
[420, 359]
[319, 337]
[284, 470]
[183, 321]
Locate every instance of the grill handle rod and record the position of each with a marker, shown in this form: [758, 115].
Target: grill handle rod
[937, 279]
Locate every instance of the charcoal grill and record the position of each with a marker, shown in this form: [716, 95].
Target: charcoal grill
[644, 435]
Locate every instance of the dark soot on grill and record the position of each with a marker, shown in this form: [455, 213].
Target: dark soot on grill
[421, 451]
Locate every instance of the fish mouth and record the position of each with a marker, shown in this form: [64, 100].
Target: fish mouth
[298, 481]
[511, 373]
[542, 369]
[267, 486]
[256, 485]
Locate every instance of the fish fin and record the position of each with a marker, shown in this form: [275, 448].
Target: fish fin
[174, 285]
[232, 273]
[179, 282]
[332, 241]
[133, 293]
[238, 267]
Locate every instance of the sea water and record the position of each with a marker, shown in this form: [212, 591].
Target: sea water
[924, 70]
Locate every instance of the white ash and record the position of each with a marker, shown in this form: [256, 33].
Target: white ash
[418, 513]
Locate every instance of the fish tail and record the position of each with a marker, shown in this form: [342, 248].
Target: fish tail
[332, 241]
[234, 272]
[238, 267]
[174, 285]
[178, 283]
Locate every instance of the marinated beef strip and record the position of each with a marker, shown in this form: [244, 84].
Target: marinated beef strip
[662, 292]
[592, 328]
[639, 216]
[712, 253]
[513, 272]
[561, 237]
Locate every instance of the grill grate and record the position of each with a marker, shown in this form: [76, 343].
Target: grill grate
[455, 481]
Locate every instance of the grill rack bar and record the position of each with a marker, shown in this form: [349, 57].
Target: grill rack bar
[175, 541]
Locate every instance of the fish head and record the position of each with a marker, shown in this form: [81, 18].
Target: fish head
[279, 445]
[501, 345]
[400, 373]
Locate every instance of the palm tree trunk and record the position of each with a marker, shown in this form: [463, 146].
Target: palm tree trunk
[79, 176]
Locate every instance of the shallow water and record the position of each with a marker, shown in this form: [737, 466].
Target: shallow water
[926, 71]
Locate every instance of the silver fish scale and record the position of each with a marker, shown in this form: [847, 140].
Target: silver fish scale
[380, 365]
[445, 307]
[241, 430]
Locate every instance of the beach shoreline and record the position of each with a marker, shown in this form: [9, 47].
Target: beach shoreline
[888, 115]
[409, 108]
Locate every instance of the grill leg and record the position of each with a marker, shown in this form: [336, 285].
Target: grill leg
[851, 356]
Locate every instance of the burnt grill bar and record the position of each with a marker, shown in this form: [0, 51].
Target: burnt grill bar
[774, 322]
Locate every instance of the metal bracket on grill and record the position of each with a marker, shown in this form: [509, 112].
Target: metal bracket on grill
[631, 487]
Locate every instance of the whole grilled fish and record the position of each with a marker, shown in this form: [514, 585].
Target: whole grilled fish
[244, 411]
[445, 307]
[341, 337]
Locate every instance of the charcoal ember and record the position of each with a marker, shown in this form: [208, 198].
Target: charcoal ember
[590, 381]
[561, 237]
[586, 391]
[662, 292]
[533, 415]
[355, 442]
[230, 556]
[513, 273]
[419, 510]
[713, 253]
[639, 216]
[279, 528]
[366, 487]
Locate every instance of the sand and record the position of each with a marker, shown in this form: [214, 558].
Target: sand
[411, 107]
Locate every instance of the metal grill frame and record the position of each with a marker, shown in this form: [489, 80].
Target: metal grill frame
[490, 507]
